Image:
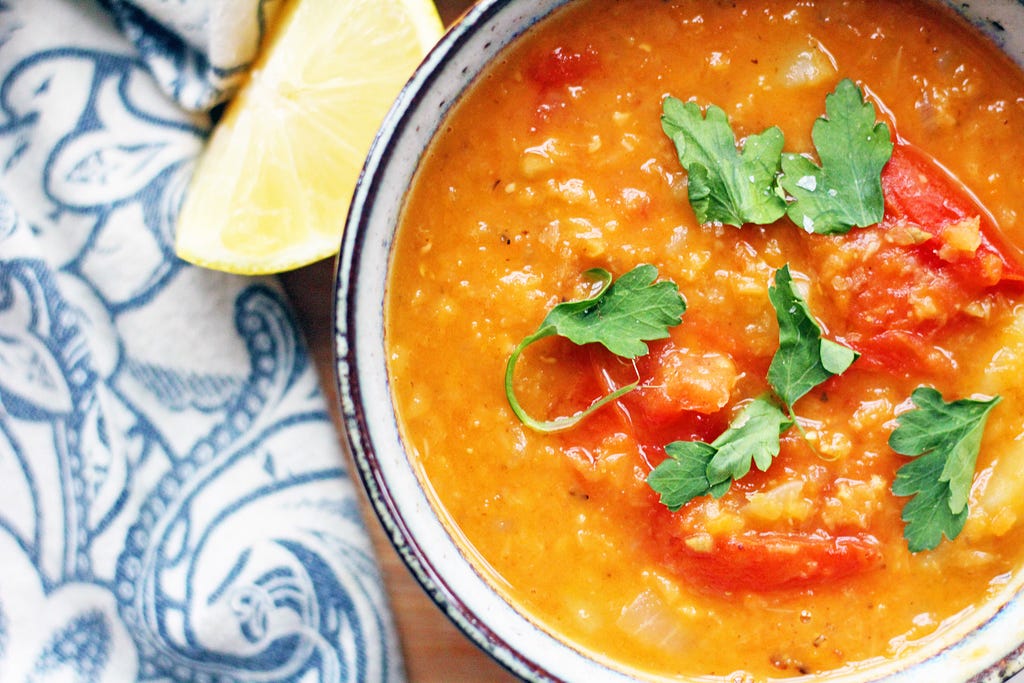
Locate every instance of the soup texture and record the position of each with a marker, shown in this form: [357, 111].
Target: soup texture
[847, 506]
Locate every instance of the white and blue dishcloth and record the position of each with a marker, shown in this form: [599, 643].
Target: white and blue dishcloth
[174, 503]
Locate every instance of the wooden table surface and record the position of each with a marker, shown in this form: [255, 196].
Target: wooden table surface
[434, 649]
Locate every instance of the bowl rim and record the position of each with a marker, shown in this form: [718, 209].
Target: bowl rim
[359, 432]
[355, 421]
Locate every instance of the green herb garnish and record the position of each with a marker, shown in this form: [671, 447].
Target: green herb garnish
[945, 439]
[695, 468]
[683, 475]
[725, 185]
[846, 190]
[805, 358]
[621, 316]
[761, 184]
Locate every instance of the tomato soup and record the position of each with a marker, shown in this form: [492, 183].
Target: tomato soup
[557, 162]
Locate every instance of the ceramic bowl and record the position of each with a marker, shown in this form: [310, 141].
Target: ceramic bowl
[989, 652]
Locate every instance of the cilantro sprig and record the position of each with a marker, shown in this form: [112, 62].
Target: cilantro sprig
[805, 357]
[725, 185]
[804, 360]
[760, 184]
[846, 189]
[944, 438]
[694, 468]
[622, 316]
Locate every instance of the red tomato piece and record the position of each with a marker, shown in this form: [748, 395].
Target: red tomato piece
[562, 67]
[764, 561]
[936, 252]
[920, 192]
[902, 352]
[647, 414]
[678, 380]
[554, 73]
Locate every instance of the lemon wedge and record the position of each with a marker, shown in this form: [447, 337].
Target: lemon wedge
[272, 187]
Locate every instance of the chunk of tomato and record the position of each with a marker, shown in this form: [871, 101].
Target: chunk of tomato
[764, 561]
[903, 352]
[910, 280]
[680, 395]
[920, 192]
[554, 73]
[562, 67]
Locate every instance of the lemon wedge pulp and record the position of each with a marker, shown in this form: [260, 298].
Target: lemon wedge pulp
[271, 190]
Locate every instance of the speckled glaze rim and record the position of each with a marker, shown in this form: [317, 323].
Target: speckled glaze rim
[988, 653]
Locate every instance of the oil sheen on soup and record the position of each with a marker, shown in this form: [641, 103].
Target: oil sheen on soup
[557, 162]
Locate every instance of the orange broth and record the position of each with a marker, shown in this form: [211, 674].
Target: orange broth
[554, 163]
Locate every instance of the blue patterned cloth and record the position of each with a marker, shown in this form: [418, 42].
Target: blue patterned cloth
[174, 504]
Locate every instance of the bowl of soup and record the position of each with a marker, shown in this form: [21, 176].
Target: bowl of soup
[681, 339]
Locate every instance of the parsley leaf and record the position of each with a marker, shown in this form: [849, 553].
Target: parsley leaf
[945, 438]
[752, 436]
[695, 468]
[621, 316]
[846, 190]
[725, 185]
[683, 475]
[804, 359]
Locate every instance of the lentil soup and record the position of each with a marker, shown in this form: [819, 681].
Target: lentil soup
[556, 163]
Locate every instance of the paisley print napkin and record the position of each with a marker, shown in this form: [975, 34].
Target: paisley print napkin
[174, 504]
